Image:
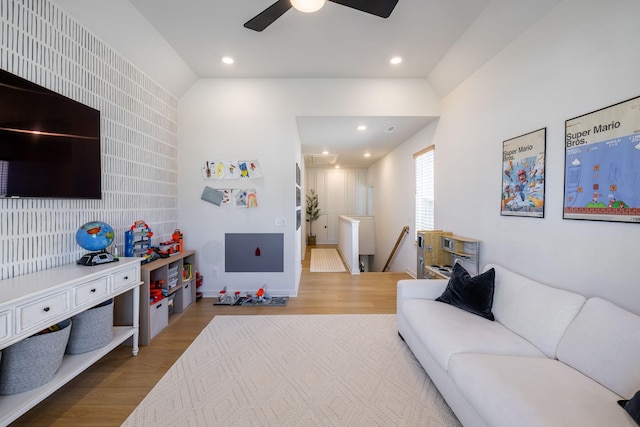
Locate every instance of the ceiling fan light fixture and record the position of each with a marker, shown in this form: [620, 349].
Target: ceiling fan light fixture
[307, 6]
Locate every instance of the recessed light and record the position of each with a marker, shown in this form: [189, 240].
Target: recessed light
[325, 152]
[395, 60]
[227, 60]
[367, 154]
[337, 166]
[362, 127]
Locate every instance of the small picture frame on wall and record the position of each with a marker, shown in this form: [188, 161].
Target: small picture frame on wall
[298, 174]
[298, 218]
[523, 173]
[601, 164]
[298, 197]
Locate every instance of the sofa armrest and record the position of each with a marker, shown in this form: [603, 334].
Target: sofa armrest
[420, 288]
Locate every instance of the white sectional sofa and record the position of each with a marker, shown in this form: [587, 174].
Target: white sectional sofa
[550, 358]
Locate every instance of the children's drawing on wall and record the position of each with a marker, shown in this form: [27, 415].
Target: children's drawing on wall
[523, 172]
[231, 169]
[212, 169]
[226, 197]
[256, 169]
[250, 169]
[207, 169]
[243, 198]
[244, 169]
[252, 199]
[220, 169]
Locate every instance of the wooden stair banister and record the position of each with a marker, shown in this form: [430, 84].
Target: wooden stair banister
[405, 230]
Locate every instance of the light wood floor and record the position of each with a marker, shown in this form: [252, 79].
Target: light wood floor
[106, 393]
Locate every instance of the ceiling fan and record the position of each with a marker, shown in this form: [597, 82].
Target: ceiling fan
[381, 8]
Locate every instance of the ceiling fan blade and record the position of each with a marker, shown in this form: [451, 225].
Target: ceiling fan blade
[381, 8]
[268, 16]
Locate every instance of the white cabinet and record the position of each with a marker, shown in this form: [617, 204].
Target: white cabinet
[32, 302]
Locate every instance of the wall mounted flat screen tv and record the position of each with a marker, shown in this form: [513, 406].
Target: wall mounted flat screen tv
[49, 144]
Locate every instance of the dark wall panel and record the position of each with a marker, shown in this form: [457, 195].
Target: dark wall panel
[253, 252]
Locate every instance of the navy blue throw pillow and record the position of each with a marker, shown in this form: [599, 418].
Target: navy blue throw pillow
[472, 294]
[632, 406]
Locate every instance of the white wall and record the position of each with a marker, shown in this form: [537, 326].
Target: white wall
[393, 180]
[578, 58]
[256, 119]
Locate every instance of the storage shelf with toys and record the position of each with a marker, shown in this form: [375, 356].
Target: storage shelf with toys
[169, 287]
[169, 283]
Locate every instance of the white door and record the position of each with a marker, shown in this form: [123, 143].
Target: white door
[321, 229]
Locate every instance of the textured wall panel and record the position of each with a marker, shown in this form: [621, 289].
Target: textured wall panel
[139, 142]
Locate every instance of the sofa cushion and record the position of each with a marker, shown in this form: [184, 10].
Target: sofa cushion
[632, 406]
[537, 312]
[445, 330]
[603, 342]
[521, 391]
[473, 294]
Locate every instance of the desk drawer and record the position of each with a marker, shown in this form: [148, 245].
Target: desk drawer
[41, 311]
[5, 325]
[91, 291]
[126, 277]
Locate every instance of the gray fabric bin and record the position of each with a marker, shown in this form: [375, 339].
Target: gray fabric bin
[91, 329]
[33, 361]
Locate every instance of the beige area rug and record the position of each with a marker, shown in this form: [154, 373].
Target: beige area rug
[326, 261]
[296, 370]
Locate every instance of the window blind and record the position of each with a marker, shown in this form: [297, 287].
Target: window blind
[425, 188]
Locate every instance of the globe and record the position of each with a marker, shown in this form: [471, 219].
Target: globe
[95, 236]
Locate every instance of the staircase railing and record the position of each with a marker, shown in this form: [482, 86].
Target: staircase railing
[405, 231]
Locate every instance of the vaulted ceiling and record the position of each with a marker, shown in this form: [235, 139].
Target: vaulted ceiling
[442, 41]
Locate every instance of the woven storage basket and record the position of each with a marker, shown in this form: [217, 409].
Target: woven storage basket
[91, 329]
[33, 361]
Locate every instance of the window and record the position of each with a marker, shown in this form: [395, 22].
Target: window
[424, 164]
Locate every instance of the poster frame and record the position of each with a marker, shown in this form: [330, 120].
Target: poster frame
[594, 135]
[516, 166]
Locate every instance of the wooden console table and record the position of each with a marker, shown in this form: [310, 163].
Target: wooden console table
[35, 301]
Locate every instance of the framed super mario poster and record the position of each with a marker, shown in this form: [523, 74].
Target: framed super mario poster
[602, 164]
[523, 163]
